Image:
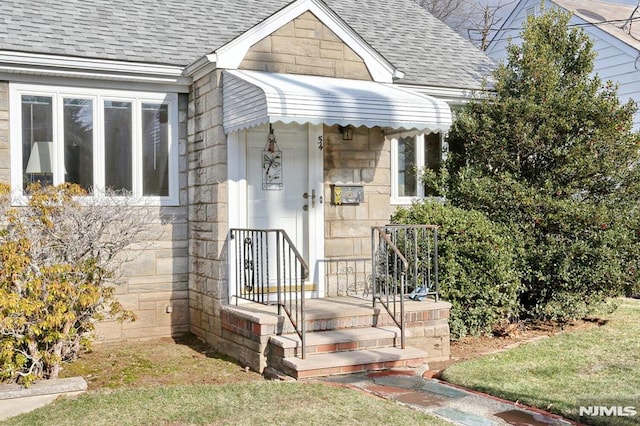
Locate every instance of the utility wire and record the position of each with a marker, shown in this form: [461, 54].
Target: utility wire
[586, 24]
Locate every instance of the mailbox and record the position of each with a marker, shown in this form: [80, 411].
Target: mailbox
[347, 194]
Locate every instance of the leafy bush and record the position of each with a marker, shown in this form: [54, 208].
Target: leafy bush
[552, 157]
[577, 253]
[477, 266]
[57, 260]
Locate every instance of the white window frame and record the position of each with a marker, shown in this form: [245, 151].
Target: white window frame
[98, 96]
[420, 161]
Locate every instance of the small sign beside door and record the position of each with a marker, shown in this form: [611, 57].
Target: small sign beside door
[272, 170]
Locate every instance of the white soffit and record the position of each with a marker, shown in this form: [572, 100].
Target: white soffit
[251, 98]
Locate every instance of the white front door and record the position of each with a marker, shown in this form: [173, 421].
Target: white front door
[263, 204]
[269, 205]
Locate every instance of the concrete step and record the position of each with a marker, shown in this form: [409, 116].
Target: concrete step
[289, 345]
[328, 364]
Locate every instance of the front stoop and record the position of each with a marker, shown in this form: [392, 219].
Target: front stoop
[344, 335]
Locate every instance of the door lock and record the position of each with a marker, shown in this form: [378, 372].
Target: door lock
[312, 196]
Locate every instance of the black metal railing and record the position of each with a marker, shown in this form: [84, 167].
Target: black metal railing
[269, 270]
[405, 264]
[419, 245]
[347, 277]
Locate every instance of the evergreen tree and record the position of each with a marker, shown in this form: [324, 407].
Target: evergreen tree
[551, 154]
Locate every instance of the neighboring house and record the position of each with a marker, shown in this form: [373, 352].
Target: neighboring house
[173, 101]
[614, 29]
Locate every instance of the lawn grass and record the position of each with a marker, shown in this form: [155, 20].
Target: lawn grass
[160, 362]
[255, 403]
[184, 381]
[564, 371]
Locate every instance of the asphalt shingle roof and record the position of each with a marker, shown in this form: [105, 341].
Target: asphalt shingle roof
[178, 33]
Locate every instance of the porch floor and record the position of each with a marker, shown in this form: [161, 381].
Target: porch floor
[344, 306]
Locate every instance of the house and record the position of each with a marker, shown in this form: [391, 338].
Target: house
[611, 26]
[308, 116]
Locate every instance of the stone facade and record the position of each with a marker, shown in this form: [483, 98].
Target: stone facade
[305, 46]
[208, 207]
[155, 283]
[365, 160]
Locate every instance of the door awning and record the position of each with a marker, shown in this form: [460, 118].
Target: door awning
[253, 97]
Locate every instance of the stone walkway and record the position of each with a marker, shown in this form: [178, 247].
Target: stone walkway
[452, 403]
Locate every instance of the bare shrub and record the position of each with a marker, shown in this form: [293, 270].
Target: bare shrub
[58, 260]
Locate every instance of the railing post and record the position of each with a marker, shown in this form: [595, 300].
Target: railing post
[403, 338]
[303, 325]
[279, 272]
[374, 267]
[435, 262]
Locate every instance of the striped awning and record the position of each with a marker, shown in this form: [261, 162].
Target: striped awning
[252, 97]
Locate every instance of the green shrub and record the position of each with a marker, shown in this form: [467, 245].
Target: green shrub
[552, 156]
[577, 253]
[477, 266]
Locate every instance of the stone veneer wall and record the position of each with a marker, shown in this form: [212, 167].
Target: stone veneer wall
[305, 46]
[208, 207]
[365, 161]
[5, 157]
[154, 284]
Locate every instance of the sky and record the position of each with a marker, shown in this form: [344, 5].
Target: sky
[506, 10]
[509, 5]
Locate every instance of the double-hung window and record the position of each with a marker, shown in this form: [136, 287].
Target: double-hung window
[99, 139]
[411, 154]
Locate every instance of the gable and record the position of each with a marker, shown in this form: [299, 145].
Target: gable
[305, 46]
[231, 54]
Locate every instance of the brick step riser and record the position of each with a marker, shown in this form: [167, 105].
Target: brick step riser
[325, 324]
[364, 320]
[351, 369]
[281, 352]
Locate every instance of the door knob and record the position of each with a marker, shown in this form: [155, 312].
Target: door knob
[312, 196]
